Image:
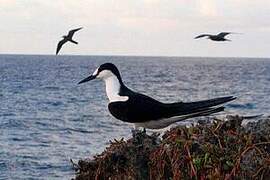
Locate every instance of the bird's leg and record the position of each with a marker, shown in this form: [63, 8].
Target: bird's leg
[139, 136]
[137, 131]
[144, 130]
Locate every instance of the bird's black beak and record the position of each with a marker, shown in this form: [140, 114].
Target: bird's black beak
[89, 78]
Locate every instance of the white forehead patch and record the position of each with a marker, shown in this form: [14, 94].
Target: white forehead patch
[95, 72]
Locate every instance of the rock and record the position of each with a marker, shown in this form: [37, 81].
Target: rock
[217, 150]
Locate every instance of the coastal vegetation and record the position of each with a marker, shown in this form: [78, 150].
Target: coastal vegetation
[215, 150]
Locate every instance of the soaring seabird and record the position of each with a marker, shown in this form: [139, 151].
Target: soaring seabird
[218, 37]
[144, 111]
[67, 38]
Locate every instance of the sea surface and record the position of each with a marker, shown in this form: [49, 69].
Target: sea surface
[46, 118]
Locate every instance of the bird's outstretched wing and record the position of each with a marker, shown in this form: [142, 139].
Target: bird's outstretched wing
[71, 32]
[202, 35]
[60, 44]
[223, 34]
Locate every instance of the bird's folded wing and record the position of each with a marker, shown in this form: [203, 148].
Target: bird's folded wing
[142, 108]
[138, 109]
[191, 107]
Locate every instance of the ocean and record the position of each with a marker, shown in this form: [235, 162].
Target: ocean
[46, 118]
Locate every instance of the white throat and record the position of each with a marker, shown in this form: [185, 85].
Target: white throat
[112, 86]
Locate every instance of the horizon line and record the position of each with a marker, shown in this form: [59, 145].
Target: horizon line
[130, 55]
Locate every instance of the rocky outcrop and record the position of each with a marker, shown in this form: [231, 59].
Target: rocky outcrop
[216, 150]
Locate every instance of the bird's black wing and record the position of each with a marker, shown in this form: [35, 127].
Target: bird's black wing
[60, 44]
[223, 34]
[138, 108]
[184, 108]
[202, 35]
[71, 32]
[141, 108]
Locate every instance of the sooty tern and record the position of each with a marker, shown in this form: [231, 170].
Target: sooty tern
[143, 111]
[67, 38]
[218, 37]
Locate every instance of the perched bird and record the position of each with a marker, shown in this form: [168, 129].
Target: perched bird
[218, 37]
[67, 38]
[144, 111]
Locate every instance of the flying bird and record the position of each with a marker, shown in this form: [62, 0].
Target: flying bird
[67, 38]
[218, 37]
[144, 111]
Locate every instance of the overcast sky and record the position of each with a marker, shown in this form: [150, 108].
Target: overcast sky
[136, 27]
